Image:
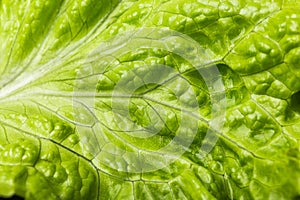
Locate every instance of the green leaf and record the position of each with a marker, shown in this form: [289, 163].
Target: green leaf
[126, 99]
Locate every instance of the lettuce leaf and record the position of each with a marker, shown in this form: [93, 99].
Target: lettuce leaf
[127, 99]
